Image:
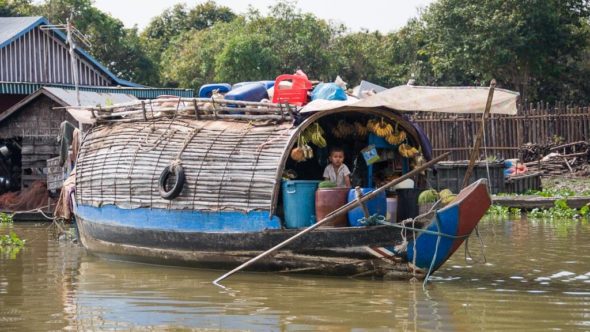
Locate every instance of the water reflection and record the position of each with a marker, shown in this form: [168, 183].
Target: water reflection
[537, 277]
[112, 297]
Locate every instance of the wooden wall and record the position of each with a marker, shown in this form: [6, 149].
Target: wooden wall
[40, 57]
[539, 124]
[38, 126]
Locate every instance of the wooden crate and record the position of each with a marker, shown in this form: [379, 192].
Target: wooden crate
[520, 184]
[449, 175]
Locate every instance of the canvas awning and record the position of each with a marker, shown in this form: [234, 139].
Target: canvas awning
[411, 98]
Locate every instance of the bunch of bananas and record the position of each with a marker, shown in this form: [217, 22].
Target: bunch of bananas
[343, 129]
[360, 129]
[315, 135]
[407, 151]
[396, 137]
[380, 128]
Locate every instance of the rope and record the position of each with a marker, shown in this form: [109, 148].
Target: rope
[439, 235]
[481, 247]
[437, 221]
[39, 210]
[280, 136]
[187, 140]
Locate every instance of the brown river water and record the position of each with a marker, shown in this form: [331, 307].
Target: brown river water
[537, 277]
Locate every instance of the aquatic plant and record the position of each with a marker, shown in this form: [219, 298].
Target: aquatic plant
[11, 240]
[5, 218]
[562, 192]
[560, 210]
[11, 244]
[496, 211]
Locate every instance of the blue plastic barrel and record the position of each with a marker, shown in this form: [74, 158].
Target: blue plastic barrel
[299, 202]
[207, 90]
[250, 92]
[267, 84]
[377, 205]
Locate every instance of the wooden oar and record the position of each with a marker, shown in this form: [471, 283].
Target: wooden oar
[343, 209]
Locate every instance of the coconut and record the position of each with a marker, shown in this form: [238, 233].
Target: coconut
[427, 196]
[444, 193]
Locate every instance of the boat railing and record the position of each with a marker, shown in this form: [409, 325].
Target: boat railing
[196, 108]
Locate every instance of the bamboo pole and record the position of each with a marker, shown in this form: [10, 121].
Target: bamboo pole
[343, 209]
[475, 150]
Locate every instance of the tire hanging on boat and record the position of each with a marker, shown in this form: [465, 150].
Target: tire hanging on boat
[178, 171]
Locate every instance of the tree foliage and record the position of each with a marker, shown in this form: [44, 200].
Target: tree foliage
[15, 8]
[540, 48]
[526, 45]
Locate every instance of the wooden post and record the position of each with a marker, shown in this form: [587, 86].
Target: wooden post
[475, 150]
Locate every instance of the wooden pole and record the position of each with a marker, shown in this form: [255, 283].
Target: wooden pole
[343, 209]
[480, 132]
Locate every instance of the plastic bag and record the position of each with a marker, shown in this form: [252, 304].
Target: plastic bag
[328, 91]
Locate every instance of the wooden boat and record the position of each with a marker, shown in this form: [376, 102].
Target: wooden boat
[228, 208]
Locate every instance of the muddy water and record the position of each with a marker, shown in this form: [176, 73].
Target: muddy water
[537, 277]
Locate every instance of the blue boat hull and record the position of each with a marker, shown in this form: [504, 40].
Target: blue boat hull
[225, 239]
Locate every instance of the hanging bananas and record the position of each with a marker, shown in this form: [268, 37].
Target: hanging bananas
[396, 137]
[360, 130]
[380, 128]
[407, 151]
[315, 135]
[343, 129]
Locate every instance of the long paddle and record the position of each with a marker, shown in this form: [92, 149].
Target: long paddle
[345, 208]
[480, 132]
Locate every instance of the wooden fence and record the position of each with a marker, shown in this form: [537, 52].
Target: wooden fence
[505, 134]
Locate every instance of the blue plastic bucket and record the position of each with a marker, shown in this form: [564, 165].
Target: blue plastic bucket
[377, 205]
[299, 202]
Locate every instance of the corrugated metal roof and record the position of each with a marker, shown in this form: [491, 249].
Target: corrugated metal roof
[66, 97]
[89, 98]
[11, 28]
[141, 93]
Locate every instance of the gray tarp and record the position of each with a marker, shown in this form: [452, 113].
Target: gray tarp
[428, 99]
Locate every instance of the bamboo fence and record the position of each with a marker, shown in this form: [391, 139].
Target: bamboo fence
[505, 134]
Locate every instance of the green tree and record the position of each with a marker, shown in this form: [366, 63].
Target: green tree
[178, 20]
[15, 8]
[190, 60]
[246, 58]
[524, 44]
[407, 56]
[299, 40]
[360, 56]
[251, 47]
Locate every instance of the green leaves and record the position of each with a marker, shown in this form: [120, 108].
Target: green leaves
[540, 48]
[5, 218]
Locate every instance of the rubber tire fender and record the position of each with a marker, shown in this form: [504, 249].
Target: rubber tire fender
[171, 194]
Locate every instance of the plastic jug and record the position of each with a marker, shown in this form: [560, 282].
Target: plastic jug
[296, 95]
